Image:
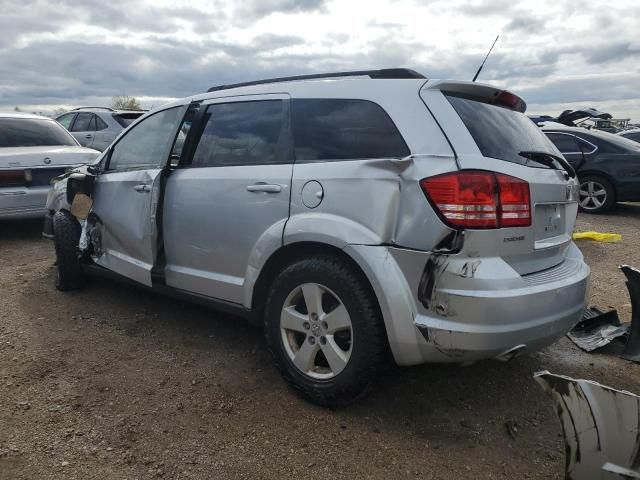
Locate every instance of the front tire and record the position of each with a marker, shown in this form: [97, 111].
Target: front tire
[325, 331]
[66, 235]
[596, 195]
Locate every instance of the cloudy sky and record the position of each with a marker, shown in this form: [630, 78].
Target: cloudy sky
[556, 54]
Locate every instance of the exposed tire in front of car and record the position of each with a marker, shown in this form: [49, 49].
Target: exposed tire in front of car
[66, 235]
[596, 195]
[325, 331]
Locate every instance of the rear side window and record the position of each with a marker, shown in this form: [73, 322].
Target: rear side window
[242, 133]
[100, 124]
[565, 143]
[65, 120]
[337, 129]
[499, 132]
[27, 132]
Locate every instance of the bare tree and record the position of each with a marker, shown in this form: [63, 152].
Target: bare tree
[125, 102]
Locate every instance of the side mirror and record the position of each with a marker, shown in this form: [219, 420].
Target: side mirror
[79, 183]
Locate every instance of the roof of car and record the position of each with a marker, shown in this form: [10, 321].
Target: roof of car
[23, 115]
[104, 109]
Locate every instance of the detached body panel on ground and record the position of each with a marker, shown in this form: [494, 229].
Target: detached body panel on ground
[337, 213]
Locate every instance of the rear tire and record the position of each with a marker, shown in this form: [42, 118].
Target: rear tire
[597, 194]
[66, 235]
[343, 319]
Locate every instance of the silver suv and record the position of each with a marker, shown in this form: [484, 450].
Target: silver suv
[97, 127]
[348, 214]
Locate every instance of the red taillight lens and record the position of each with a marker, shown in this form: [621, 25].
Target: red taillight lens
[477, 199]
[12, 178]
[515, 202]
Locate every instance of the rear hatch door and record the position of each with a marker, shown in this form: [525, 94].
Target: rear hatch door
[488, 131]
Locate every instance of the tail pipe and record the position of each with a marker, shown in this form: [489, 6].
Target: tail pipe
[632, 346]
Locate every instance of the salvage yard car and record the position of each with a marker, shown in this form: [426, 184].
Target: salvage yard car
[97, 127]
[608, 165]
[349, 214]
[33, 150]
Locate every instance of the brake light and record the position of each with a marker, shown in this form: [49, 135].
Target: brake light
[509, 100]
[479, 199]
[12, 178]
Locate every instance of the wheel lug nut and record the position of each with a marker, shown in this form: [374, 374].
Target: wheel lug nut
[306, 325]
[314, 316]
[312, 340]
[325, 325]
[323, 340]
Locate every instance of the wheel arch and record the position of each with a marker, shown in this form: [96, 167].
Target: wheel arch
[288, 254]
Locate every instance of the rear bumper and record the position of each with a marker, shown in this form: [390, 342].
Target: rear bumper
[467, 309]
[23, 202]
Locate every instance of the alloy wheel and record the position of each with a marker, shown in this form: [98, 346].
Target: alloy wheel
[593, 195]
[316, 331]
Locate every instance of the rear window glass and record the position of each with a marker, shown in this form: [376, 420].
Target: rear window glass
[335, 129]
[499, 132]
[126, 119]
[29, 132]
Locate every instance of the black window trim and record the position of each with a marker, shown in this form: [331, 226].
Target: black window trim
[333, 160]
[199, 124]
[578, 140]
[107, 160]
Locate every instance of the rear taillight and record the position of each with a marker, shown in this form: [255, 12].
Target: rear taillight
[12, 178]
[479, 199]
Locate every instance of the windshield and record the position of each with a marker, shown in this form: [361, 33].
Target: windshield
[126, 119]
[31, 132]
[501, 133]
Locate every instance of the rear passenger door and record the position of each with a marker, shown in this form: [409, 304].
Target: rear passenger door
[83, 128]
[230, 196]
[342, 184]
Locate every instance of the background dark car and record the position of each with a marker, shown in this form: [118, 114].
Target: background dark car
[608, 165]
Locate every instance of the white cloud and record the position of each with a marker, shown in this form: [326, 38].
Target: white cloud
[555, 53]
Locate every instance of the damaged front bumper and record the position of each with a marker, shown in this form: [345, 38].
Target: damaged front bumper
[471, 309]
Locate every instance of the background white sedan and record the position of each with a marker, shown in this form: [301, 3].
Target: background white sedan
[33, 150]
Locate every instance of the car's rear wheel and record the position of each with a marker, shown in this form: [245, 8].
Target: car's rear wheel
[596, 195]
[66, 235]
[325, 330]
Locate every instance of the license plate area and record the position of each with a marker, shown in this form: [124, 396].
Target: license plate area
[550, 224]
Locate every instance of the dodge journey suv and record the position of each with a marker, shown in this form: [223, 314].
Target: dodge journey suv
[349, 214]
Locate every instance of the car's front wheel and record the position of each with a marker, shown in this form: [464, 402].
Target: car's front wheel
[597, 194]
[325, 330]
[66, 235]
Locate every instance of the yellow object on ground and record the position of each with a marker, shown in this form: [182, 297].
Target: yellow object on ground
[597, 236]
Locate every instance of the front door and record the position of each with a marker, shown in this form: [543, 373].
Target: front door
[126, 195]
[231, 199]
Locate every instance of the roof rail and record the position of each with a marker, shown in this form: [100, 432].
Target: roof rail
[97, 108]
[385, 73]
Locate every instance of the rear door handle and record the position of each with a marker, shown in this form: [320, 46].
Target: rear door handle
[264, 187]
[142, 188]
[88, 135]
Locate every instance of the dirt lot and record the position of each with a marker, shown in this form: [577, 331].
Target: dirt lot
[114, 382]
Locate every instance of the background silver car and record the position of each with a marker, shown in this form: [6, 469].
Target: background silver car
[347, 216]
[97, 127]
[33, 150]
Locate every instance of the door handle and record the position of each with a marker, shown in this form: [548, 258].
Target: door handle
[142, 188]
[264, 187]
[88, 135]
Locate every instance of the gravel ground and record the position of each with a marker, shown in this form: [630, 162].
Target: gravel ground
[114, 382]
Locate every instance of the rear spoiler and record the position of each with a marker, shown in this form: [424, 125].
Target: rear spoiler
[481, 93]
